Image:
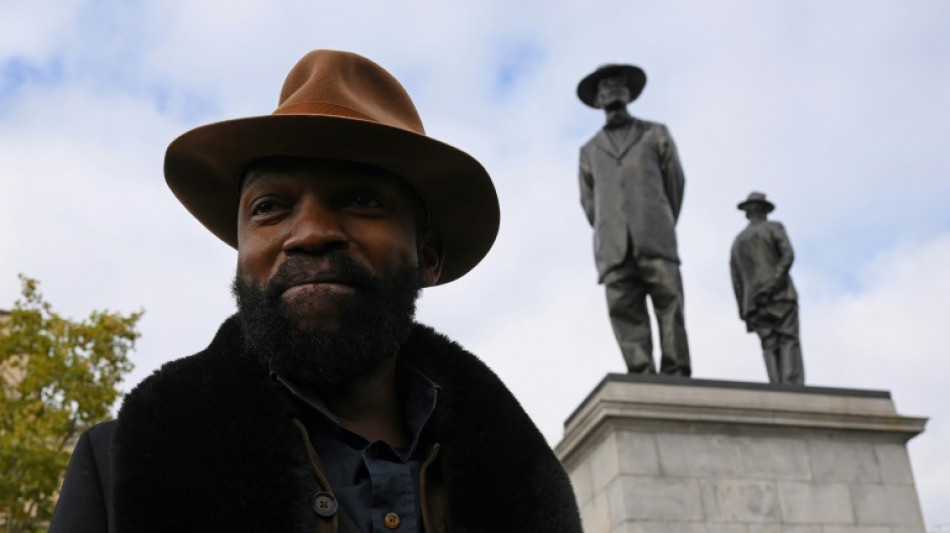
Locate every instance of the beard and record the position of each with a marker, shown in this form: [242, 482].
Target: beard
[372, 322]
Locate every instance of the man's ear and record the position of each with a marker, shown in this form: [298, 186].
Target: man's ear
[430, 257]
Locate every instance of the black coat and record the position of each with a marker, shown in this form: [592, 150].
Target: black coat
[207, 443]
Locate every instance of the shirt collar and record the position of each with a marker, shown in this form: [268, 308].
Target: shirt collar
[415, 389]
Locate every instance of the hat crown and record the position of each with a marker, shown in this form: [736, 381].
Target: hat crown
[341, 106]
[335, 83]
[756, 198]
[633, 75]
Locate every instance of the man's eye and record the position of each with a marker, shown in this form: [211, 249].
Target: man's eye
[263, 207]
[364, 200]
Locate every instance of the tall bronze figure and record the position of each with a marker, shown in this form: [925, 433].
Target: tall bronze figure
[761, 259]
[631, 190]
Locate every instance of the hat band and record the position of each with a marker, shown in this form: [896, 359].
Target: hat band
[321, 108]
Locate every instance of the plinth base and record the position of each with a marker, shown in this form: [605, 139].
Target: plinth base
[671, 455]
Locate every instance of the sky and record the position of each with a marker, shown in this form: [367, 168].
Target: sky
[838, 111]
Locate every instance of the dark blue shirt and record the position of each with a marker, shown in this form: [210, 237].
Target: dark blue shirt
[373, 480]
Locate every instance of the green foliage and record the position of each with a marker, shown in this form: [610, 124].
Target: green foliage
[59, 377]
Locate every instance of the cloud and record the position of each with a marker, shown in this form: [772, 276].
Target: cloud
[16, 72]
[515, 61]
[34, 29]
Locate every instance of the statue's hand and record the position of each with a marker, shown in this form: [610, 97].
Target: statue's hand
[778, 284]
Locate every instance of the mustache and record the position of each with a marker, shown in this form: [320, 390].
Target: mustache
[332, 268]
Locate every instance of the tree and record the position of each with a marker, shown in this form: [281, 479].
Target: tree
[59, 377]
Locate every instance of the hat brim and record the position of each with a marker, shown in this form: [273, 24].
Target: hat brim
[769, 206]
[203, 167]
[587, 88]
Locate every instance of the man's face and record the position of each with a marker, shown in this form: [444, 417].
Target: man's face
[612, 92]
[330, 262]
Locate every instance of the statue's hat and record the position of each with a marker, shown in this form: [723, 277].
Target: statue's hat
[757, 198]
[587, 88]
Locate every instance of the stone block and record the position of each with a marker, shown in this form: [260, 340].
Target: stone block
[815, 503]
[696, 455]
[689, 527]
[580, 480]
[596, 515]
[891, 505]
[681, 527]
[772, 458]
[843, 460]
[637, 453]
[894, 464]
[800, 529]
[764, 528]
[908, 529]
[634, 498]
[644, 527]
[726, 528]
[740, 501]
[604, 467]
[856, 529]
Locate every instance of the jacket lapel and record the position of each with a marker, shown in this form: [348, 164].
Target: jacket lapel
[478, 423]
[632, 136]
[602, 141]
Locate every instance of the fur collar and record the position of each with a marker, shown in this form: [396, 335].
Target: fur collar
[207, 444]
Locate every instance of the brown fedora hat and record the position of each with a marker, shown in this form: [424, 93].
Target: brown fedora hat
[587, 88]
[759, 199]
[342, 106]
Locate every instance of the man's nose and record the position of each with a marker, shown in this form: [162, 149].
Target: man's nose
[316, 228]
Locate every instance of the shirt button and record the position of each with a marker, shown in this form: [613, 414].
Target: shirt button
[392, 520]
[324, 504]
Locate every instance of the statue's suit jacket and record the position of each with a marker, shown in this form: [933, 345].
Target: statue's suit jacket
[632, 192]
[761, 256]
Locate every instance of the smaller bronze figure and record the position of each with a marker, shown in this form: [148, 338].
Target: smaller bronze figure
[768, 303]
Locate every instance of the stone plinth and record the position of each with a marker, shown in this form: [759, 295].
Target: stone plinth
[672, 455]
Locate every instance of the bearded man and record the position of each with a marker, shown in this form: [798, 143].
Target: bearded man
[321, 405]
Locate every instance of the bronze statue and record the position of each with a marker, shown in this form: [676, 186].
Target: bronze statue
[631, 190]
[768, 303]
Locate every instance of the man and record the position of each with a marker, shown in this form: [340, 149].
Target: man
[321, 406]
[631, 191]
[768, 303]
